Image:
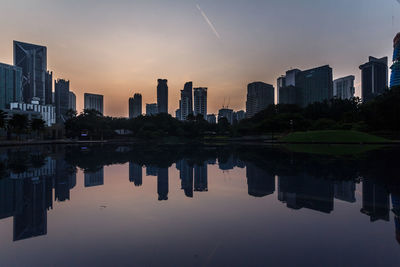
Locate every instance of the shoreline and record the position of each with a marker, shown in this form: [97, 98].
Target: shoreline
[253, 141]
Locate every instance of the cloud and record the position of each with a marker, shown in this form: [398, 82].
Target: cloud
[209, 21]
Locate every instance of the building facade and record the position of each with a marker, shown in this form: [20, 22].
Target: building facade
[343, 88]
[162, 96]
[49, 88]
[72, 101]
[395, 77]
[151, 109]
[32, 59]
[211, 118]
[374, 78]
[200, 102]
[94, 102]
[259, 96]
[10, 85]
[47, 112]
[135, 106]
[186, 102]
[316, 85]
[225, 113]
[61, 99]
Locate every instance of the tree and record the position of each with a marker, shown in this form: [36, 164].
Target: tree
[37, 125]
[3, 116]
[18, 124]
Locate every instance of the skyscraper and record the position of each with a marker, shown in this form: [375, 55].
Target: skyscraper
[94, 102]
[162, 96]
[286, 88]
[343, 88]
[374, 78]
[135, 106]
[10, 85]
[186, 102]
[49, 88]
[62, 99]
[395, 77]
[225, 113]
[151, 109]
[135, 173]
[72, 101]
[200, 102]
[316, 85]
[32, 59]
[259, 96]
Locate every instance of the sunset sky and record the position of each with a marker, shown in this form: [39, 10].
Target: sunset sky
[121, 47]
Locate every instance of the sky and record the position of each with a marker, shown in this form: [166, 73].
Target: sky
[121, 47]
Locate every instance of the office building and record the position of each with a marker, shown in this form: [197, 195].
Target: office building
[259, 96]
[343, 88]
[178, 114]
[395, 76]
[186, 102]
[200, 102]
[211, 118]
[62, 99]
[239, 115]
[227, 114]
[375, 200]
[151, 109]
[345, 191]
[49, 88]
[286, 91]
[162, 96]
[374, 78]
[10, 85]
[316, 85]
[186, 176]
[135, 106]
[32, 59]
[34, 111]
[94, 102]
[72, 101]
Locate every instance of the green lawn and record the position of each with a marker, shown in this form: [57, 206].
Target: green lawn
[334, 136]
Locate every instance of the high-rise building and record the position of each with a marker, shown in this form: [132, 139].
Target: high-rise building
[151, 109]
[186, 102]
[49, 88]
[162, 96]
[200, 177]
[259, 96]
[200, 101]
[94, 102]
[162, 184]
[32, 59]
[72, 101]
[374, 78]
[178, 114]
[343, 88]
[10, 85]
[94, 178]
[375, 200]
[211, 118]
[260, 182]
[225, 113]
[316, 85]
[135, 106]
[62, 99]
[239, 115]
[395, 77]
[286, 88]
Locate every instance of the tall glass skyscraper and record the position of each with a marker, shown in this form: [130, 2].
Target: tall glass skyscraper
[10, 85]
[374, 78]
[135, 106]
[162, 96]
[32, 59]
[395, 77]
[62, 99]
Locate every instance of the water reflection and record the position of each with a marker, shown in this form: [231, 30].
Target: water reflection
[30, 176]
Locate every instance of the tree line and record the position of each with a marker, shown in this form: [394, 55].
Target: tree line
[20, 124]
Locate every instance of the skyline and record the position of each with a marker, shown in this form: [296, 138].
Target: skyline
[123, 48]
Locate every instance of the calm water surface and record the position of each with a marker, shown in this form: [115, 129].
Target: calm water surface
[198, 206]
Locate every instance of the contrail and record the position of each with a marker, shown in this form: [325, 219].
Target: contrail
[209, 21]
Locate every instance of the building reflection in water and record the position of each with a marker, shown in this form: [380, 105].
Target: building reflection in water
[135, 174]
[94, 178]
[26, 194]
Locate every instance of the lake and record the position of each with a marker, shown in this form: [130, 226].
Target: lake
[196, 205]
